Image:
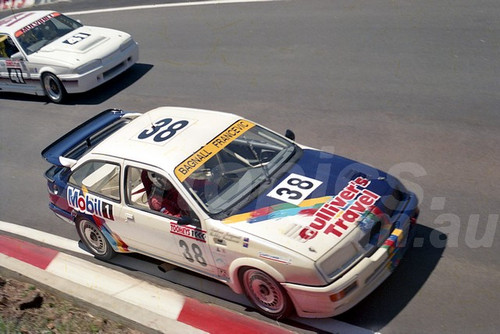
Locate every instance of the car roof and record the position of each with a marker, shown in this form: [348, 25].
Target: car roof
[203, 126]
[14, 22]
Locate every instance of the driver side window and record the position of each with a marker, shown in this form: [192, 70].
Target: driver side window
[150, 191]
[7, 47]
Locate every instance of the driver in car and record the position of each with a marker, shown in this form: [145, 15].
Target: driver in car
[162, 196]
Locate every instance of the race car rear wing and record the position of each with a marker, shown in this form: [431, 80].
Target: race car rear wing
[65, 151]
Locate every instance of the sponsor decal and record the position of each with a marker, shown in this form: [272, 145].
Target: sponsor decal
[395, 247]
[13, 63]
[82, 201]
[15, 71]
[274, 258]
[191, 164]
[345, 209]
[35, 24]
[188, 232]
[196, 160]
[370, 220]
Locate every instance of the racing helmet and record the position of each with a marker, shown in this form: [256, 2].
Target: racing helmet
[158, 180]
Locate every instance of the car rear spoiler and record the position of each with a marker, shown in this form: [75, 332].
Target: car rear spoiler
[65, 151]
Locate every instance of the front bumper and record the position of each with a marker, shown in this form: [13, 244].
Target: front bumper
[111, 66]
[362, 279]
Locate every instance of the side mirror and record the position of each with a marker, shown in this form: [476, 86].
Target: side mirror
[289, 134]
[187, 220]
[17, 56]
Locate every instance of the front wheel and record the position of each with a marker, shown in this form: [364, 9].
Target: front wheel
[93, 238]
[267, 295]
[53, 88]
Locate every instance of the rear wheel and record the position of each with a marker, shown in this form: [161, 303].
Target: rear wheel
[53, 87]
[93, 238]
[267, 295]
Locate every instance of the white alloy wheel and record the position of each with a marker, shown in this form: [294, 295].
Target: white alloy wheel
[267, 295]
[53, 87]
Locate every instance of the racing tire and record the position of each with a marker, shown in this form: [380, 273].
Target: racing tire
[265, 293]
[53, 88]
[94, 240]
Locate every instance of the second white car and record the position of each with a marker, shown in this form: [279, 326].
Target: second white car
[48, 53]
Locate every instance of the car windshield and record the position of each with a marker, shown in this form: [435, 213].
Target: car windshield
[44, 31]
[227, 180]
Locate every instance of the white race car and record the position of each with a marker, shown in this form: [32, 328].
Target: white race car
[294, 228]
[48, 53]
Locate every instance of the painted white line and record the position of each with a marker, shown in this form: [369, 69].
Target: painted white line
[167, 5]
[43, 237]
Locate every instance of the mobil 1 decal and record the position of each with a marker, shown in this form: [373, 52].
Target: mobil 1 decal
[86, 203]
[294, 189]
[161, 131]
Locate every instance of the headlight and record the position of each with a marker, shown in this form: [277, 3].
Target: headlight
[126, 44]
[335, 262]
[89, 66]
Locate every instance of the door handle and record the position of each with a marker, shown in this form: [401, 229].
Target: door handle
[129, 216]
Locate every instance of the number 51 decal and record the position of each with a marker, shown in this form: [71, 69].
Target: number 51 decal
[294, 189]
[76, 38]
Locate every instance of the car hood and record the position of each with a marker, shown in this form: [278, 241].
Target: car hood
[82, 45]
[345, 198]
